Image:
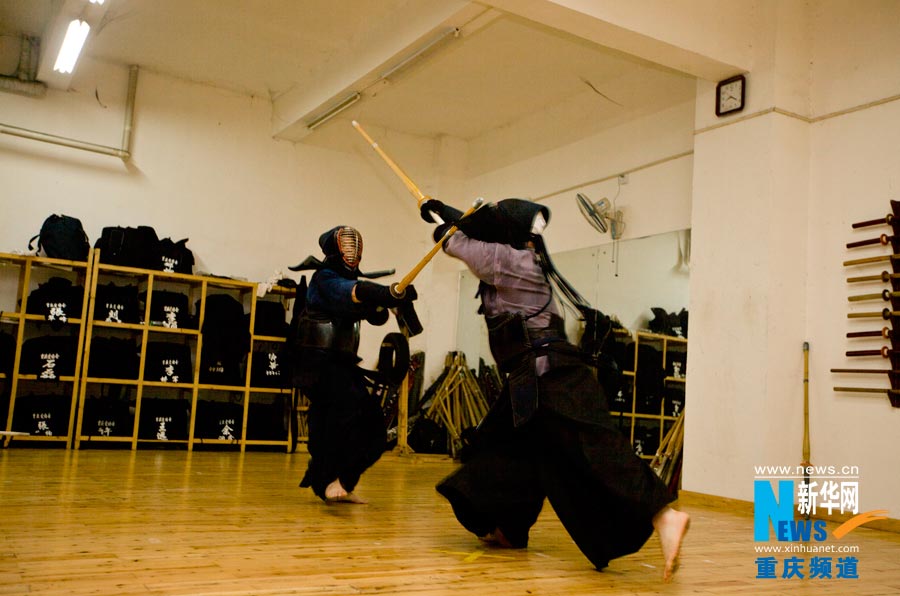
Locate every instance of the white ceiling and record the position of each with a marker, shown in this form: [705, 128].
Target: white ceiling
[497, 70]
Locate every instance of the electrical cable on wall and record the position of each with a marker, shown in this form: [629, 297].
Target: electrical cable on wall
[614, 231]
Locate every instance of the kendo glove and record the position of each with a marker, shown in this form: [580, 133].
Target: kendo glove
[410, 294]
[433, 207]
[375, 294]
[440, 231]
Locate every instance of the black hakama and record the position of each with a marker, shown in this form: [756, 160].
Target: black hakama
[569, 452]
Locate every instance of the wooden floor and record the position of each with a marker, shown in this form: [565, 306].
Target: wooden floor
[104, 522]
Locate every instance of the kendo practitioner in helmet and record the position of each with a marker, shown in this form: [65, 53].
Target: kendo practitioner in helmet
[549, 434]
[347, 431]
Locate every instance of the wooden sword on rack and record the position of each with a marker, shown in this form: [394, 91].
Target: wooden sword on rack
[885, 332]
[866, 260]
[890, 219]
[893, 394]
[883, 276]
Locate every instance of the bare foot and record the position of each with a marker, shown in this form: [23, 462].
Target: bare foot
[351, 498]
[672, 525]
[335, 491]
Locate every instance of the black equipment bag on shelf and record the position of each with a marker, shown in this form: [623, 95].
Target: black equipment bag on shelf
[224, 316]
[164, 419]
[676, 360]
[621, 400]
[168, 362]
[218, 420]
[271, 318]
[646, 437]
[171, 310]
[128, 247]
[107, 417]
[649, 380]
[174, 257]
[62, 237]
[117, 304]
[220, 364]
[7, 353]
[57, 300]
[666, 323]
[674, 401]
[113, 358]
[42, 415]
[226, 340]
[267, 369]
[49, 356]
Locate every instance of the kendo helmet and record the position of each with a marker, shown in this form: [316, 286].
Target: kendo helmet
[510, 221]
[343, 246]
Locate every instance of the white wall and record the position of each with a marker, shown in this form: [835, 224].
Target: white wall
[775, 191]
[204, 167]
[854, 175]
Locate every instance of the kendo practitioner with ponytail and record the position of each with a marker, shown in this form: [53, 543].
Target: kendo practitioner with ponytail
[347, 431]
[550, 434]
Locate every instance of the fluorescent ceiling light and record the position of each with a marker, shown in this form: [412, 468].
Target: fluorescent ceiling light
[454, 31]
[71, 46]
[343, 105]
[98, 1]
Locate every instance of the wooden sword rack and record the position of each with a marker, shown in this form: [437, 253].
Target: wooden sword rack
[886, 309]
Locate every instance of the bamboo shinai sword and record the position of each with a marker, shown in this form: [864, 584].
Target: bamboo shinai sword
[399, 289]
[407, 181]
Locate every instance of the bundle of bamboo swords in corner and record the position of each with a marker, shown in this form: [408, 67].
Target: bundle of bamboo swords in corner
[668, 457]
[457, 403]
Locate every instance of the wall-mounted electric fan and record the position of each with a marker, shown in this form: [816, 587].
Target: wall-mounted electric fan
[601, 215]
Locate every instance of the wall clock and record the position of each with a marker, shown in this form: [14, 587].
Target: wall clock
[730, 95]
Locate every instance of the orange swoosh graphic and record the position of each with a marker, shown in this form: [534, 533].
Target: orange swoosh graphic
[858, 520]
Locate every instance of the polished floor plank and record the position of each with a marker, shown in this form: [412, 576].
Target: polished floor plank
[168, 522]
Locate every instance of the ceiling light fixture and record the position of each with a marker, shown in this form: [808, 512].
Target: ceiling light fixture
[453, 31]
[71, 46]
[334, 111]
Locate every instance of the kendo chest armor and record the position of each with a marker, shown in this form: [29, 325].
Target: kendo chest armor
[319, 332]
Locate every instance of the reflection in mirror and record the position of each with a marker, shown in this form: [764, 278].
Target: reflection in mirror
[624, 280]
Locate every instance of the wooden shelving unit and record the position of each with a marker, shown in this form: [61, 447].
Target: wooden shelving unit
[191, 394]
[647, 422]
[20, 275]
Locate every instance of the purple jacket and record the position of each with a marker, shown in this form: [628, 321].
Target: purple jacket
[516, 283]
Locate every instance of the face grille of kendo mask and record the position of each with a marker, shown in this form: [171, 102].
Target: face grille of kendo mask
[350, 245]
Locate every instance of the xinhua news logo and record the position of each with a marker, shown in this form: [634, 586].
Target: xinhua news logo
[785, 501]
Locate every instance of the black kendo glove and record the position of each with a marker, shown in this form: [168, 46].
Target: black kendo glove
[375, 294]
[445, 212]
[441, 230]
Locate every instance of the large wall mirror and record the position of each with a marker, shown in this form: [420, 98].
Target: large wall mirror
[623, 279]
